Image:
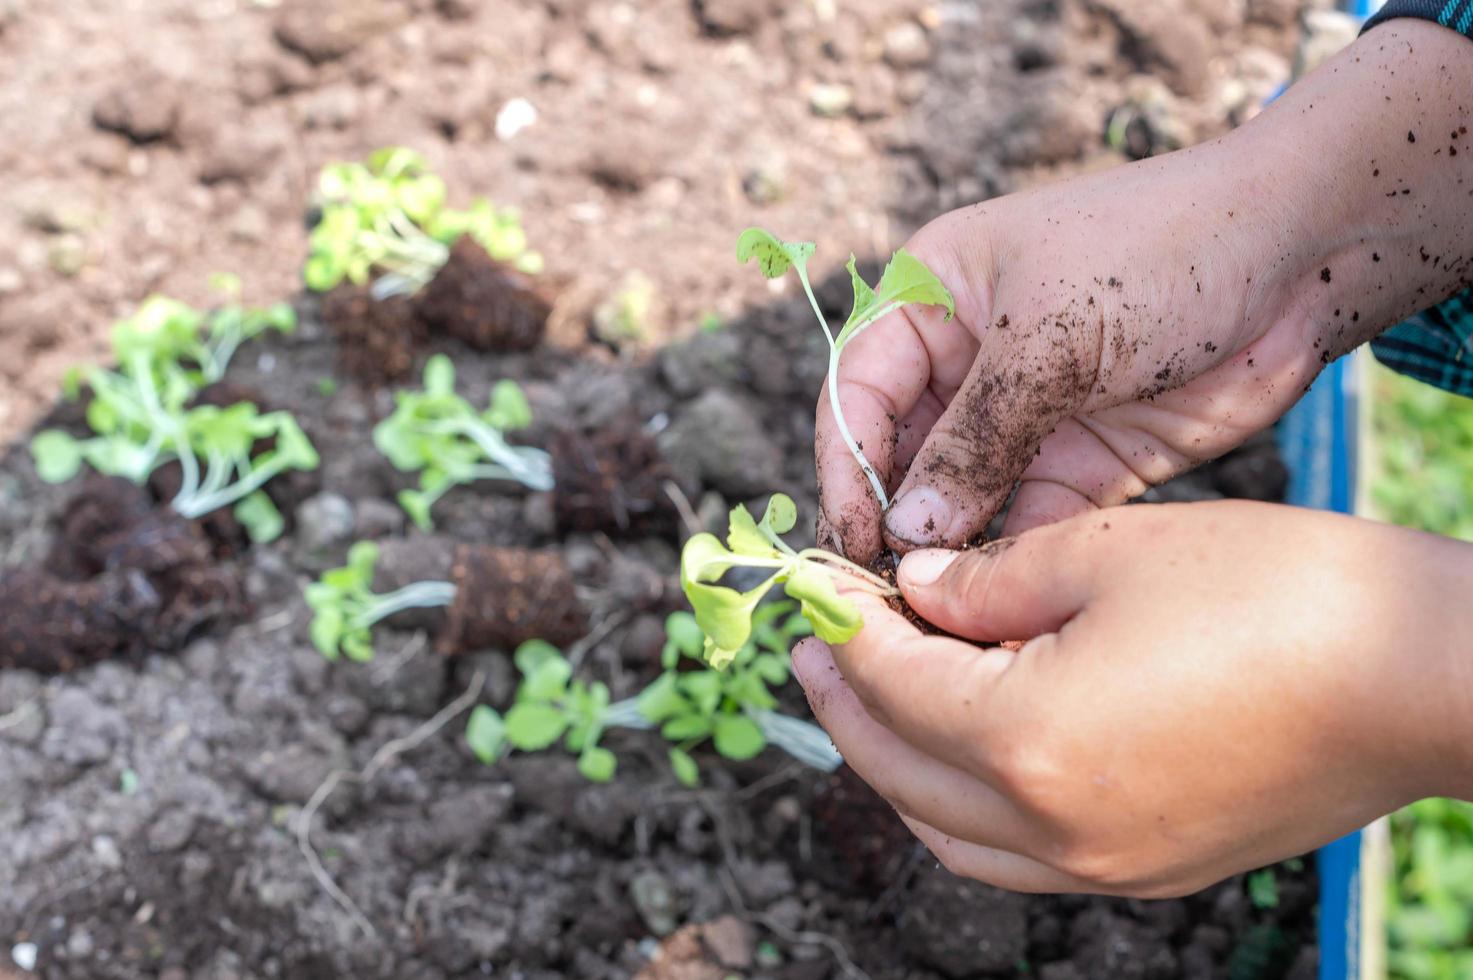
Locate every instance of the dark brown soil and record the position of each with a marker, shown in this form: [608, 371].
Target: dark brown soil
[614, 480]
[485, 304]
[506, 596]
[378, 340]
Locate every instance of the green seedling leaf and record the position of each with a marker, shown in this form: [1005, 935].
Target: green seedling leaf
[597, 764]
[262, 521]
[509, 408]
[485, 733]
[683, 636]
[687, 727]
[906, 279]
[737, 737]
[834, 618]
[58, 456]
[548, 681]
[439, 376]
[531, 727]
[533, 654]
[662, 699]
[326, 630]
[417, 508]
[685, 768]
[774, 256]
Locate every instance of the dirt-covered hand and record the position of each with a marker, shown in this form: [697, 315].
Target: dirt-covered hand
[1205, 688]
[1117, 329]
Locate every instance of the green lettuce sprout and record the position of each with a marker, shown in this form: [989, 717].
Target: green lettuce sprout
[138, 433]
[345, 608]
[906, 279]
[735, 707]
[437, 433]
[552, 705]
[386, 220]
[725, 614]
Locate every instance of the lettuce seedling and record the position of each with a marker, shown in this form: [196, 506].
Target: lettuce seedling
[345, 608]
[906, 279]
[386, 220]
[725, 614]
[165, 337]
[437, 433]
[213, 447]
[734, 708]
[551, 705]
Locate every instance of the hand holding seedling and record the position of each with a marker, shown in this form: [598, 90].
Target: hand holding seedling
[1114, 330]
[1205, 688]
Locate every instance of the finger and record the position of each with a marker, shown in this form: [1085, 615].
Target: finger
[916, 784]
[1010, 589]
[911, 435]
[885, 371]
[977, 450]
[935, 692]
[993, 866]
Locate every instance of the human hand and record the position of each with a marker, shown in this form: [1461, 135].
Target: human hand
[1117, 329]
[1205, 688]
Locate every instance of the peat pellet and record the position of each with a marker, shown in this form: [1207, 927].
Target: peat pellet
[505, 596]
[484, 303]
[53, 626]
[103, 507]
[613, 480]
[378, 340]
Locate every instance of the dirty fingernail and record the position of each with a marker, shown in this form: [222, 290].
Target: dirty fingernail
[921, 568]
[808, 657]
[920, 516]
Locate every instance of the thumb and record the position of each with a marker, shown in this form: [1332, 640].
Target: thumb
[979, 448]
[1010, 589]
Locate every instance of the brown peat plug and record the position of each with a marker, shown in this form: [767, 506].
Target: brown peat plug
[485, 304]
[123, 578]
[613, 480]
[378, 340]
[506, 596]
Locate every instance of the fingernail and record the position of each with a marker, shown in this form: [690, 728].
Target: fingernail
[920, 516]
[807, 654]
[921, 568]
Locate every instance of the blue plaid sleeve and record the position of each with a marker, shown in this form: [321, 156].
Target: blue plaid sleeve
[1456, 14]
[1436, 345]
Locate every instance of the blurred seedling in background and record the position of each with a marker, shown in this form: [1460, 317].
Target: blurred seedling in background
[437, 434]
[214, 447]
[345, 607]
[906, 279]
[168, 351]
[386, 221]
[726, 615]
[735, 709]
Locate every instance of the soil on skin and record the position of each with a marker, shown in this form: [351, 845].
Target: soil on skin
[149, 804]
[485, 304]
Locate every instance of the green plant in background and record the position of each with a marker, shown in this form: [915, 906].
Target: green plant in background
[345, 607]
[1423, 478]
[906, 280]
[437, 434]
[552, 705]
[735, 709]
[725, 614]
[168, 351]
[387, 220]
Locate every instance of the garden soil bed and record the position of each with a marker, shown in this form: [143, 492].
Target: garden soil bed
[149, 803]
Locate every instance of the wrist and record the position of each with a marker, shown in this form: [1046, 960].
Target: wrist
[1373, 169]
